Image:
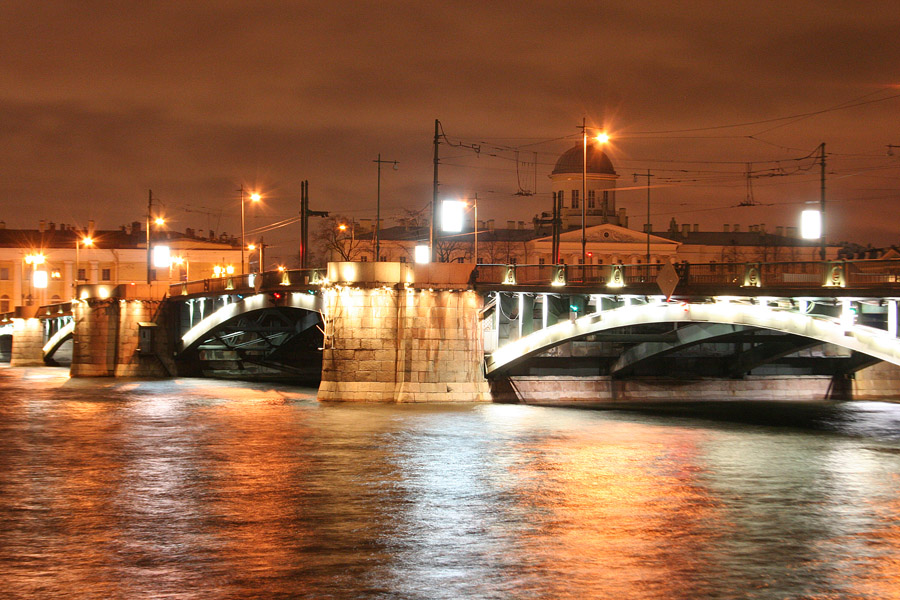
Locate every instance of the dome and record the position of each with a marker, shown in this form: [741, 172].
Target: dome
[572, 161]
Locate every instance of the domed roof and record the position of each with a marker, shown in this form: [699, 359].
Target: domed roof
[572, 161]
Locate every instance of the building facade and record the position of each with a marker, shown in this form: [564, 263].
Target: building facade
[44, 265]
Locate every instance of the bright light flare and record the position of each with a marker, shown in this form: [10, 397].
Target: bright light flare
[423, 254]
[810, 225]
[602, 137]
[452, 213]
[255, 197]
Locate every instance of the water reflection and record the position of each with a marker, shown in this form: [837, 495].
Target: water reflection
[203, 489]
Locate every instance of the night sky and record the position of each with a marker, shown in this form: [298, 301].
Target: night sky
[104, 100]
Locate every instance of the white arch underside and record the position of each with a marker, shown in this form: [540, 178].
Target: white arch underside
[250, 303]
[57, 339]
[867, 340]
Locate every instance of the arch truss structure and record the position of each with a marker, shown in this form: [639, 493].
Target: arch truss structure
[765, 328]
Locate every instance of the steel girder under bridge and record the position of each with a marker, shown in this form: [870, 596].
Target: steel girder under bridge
[647, 329]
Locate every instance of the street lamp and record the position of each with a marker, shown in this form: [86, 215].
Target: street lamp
[182, 262]
[343, 227]
[34, 260]
[600, 138]
[378, 206]
[254, 197]
[251, 248]
[86, 241]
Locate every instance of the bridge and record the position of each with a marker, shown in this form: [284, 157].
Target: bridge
[398, 332]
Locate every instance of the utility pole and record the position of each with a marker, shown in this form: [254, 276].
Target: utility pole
[149, 216]
[434, 232]
[305, 214]
[584, 194]
[378, 206]
[822, 199]
[648, 175]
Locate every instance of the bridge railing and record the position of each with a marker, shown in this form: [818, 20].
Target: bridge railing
[249, 282]
[781, 274]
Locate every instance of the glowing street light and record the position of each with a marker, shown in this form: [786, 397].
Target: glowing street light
[254, 197]
[811, 224]
[86, 241]
[600, 138]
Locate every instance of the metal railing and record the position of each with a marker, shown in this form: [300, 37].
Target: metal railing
[249, 283]
[784, 274]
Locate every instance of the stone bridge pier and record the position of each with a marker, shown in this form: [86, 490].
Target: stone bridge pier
[121, 331]
[397, 332]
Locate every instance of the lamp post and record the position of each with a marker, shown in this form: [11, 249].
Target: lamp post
[601, 138]
[85, 241]
[254, 197]
[259, 249]
[33, 260]
[378, 206]
[343, 227]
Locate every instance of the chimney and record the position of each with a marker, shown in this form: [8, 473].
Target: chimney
[685, 229]
[42, 226]
[135, 227]
[791, 232]
[52, 226]
[510, 224]
[779, 231]
[696, 228]
[521, 224]
[726, 228]
[736, 228]
[2, 224]
[91, 226]
[762, 227]
[490, 224]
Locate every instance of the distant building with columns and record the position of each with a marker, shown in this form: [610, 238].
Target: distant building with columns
[58, 255]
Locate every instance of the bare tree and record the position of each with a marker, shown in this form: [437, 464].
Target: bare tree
[336, 238]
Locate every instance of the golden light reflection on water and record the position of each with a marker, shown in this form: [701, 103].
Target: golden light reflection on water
[211, 489]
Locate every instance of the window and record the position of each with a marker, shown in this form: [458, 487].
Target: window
[605, 201]
[363, 258]
[403, 259]
[384, 258]
[513, 260]
[592, 199]
[575, 199]
[4, 303]
[561, 196]
[542, 261]
[106, 274]
[580, 261]
[4, 274]
[81, 275]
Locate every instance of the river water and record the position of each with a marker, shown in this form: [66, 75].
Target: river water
[194, 488]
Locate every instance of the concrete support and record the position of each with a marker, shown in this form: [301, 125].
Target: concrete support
[397, 344]
[28, 343]
[106, 341]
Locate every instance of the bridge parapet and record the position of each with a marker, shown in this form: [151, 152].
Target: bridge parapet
[740, 279]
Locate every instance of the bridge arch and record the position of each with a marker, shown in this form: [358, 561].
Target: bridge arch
[62, 335]
[196, 334]
[870, 341]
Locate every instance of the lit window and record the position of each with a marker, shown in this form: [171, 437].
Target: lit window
[575, 200]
